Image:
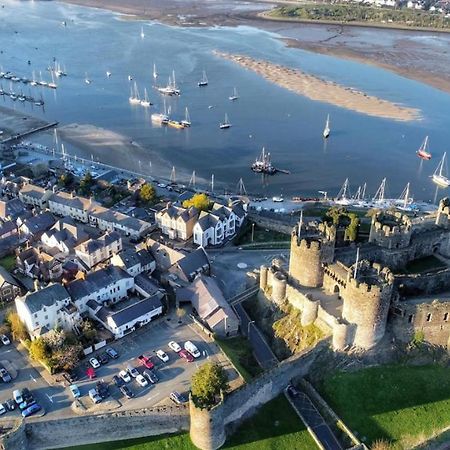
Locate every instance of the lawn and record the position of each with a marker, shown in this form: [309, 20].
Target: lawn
[240, 353]
[274, 427]
[426, 264]
[260, 235]
[400, 404]
[8, 262]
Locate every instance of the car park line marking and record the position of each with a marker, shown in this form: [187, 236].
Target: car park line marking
[34, 379]
[151, 396]
[50, 397]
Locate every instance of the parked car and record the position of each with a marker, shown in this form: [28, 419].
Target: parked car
[74, 390]
[70, 376]
[93, 395]
[26, 404]
[146, 361]
[192, 349]
[292, 391]
[177, 398]
[118, 381]
[17, 396]
[142, 381]
[4, 375]
[174, 346]
[126, 391]
[112, 353]
[102, 389]
[26, 394]
[31, 410]
[103, 358]
[132, 371]
[3, 410]
[162, 355]
[94, 363]
[125, 376]
[186, 355]
[10, 404]
[5, 339]
[151, 376]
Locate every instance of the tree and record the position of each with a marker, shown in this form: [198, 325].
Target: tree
[55, 340]
[207, 384]
[147, 193]
[18, 328]
[39, 350]
[66, 179]
[199, 201]
[88, 330]
[86, 183]
[68, 357]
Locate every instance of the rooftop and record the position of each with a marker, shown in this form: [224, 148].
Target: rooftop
[47, 296]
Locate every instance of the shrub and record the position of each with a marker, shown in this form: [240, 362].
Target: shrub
[207, 384]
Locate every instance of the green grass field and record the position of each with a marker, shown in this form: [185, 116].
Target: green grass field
[274, 427]
[8, 262]
[396, 403]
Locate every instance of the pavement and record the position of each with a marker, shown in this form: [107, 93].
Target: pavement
[175, 375]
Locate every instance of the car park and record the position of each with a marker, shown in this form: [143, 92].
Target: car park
[132, 371]
[186, 355]
[93, 395]
[142, 381]
[74, 390]
[31, 410]
[17, 396]
[111, 353]
[4, 375]
[118, 381]
[94, 363]
[5, 339]
[103, 358]
[162, 355]
[102, 389]
[192, 349]
[125, 376]
[174, 346]
[3, 410]
[146, 361]
[126, 391]
[151, 376]
[177, 398]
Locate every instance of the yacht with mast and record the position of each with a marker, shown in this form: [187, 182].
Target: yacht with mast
[187, 120]
[134, 98]
[225, 124]
[327, 130]
[87, 80]
[423, 152]
[234, 96]
[263, 164]
[204, 80]
[161, 118]
[145, 102]
[438, 176]
[155, 73]
[344, 197]
[142, 33]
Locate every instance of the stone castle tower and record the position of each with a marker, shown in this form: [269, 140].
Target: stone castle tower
[443, 214]
[366, 300]
[309, 253]
[391, 230]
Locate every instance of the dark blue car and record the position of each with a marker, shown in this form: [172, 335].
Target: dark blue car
[31, 410]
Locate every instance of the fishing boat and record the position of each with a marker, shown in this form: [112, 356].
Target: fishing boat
[438, 176]
[142, 33]
[423, 152]
[327, 130]
[234, 96]
[145, 102]
[204, 80]
[225, 124]
[87, 80]
[134, 98]
[263, 164]
[187, 120]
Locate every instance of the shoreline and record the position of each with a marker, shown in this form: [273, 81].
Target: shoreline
[318, 89]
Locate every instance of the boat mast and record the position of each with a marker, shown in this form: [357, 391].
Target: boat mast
[212, 183]
[241, 187]
[342, 194]
[192, 180]
[379, 195]
[173, 175]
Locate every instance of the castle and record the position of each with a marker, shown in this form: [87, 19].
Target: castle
[358, 294]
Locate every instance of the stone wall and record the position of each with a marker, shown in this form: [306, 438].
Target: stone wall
[423, 283]
[47, 434]
[16, 438]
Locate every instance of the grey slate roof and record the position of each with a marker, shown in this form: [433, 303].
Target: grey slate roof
[136, 310]
[207, 220]
[146, 284]
[6, 277]
[193, 262]
[131, 258]
[13, 208]
[96, 281]
[47, 296]
[7, 227]
[39, 223]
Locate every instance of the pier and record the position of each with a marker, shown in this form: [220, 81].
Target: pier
[16, 137]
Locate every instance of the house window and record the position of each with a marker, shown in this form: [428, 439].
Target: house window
[410, 318]
[46, 317]
[446, 316]
[429, 317]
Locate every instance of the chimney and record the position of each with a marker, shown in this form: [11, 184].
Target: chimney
[36, 285]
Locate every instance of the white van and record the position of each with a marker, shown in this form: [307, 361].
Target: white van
[93, 394]
[192, 349]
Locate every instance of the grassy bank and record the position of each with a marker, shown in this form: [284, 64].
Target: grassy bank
[275, 426]
[403, 405]
[8, 262]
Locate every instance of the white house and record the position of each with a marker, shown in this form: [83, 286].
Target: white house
[33, 195]
[95, 251]
[177, 222]
[105, 286]
[70, 205]
[64, 235]
[134, 262]
[47, 308]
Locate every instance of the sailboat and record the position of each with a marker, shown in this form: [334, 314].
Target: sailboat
[33, 81]
[145, 102]
[86, 79]
[155, 73]
[326, 130]
[42, 82]
[52, 84]
[187, 120]
[142, 33]
[438, 177]
[234, 96]
[134, 95]
[344, 197]
[225, 124]
[161, 118]
[108, 73]
[39, 102]
[204, 81]
[423, 152]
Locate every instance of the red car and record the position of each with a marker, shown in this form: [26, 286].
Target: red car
[186, 355]
[146, 361]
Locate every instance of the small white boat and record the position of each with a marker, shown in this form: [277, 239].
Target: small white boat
[327, 130]
[33, 81]
[438, 176]
[130, 77]
[187, 120]
[52, 84]
[204, 81]
[155, 73]
[234, 96]
[142, 33]
[134, 97]
[108, 74]
[87, 80]
[225, 124]
[145, 102]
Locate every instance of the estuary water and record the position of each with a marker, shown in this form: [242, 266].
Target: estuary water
[362, 148]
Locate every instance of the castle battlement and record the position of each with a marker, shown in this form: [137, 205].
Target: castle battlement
[310, 244]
